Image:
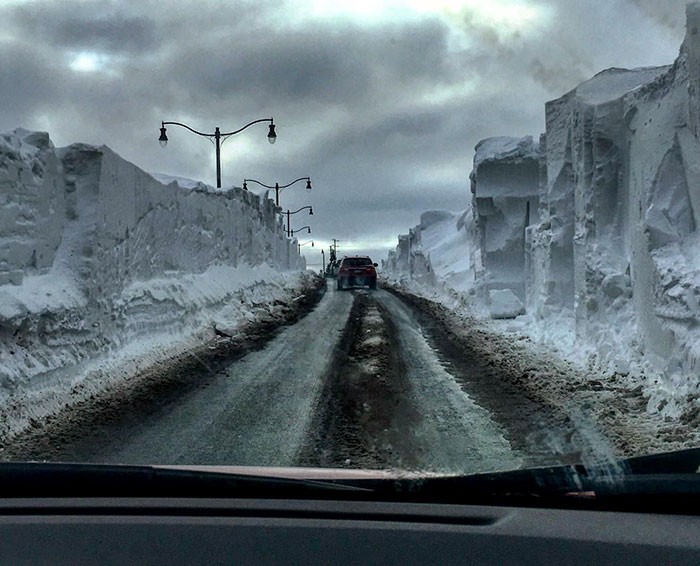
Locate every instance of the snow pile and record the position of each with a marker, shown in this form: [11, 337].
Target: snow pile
[437, 254]
[99, 259]
[505, 183]
[594, 229]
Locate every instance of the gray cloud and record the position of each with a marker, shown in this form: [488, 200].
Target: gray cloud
[106, 26]
[669, 13]
[26, 80]
[371, 112]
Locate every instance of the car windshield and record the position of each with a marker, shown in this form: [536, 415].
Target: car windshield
[182, 186]
[357, 261]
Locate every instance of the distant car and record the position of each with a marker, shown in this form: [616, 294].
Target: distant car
[357, 271]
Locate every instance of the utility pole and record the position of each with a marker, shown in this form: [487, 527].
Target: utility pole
[334, 250]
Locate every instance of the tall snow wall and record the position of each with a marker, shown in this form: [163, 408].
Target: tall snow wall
[408, 258]
[505, 202]
[83, 207]
[439, 251]
[619, 198]
[96, 253]
[598, 223]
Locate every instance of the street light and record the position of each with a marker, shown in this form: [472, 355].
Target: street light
[307, 228]
[288, 213]
[299, 246]
[219, 138]
[277, 186]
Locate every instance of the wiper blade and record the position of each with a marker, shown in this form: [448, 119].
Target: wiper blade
[678, 462]
[30, 479]
[667, 482]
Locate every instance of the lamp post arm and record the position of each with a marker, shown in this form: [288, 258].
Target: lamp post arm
[190, 129]
[295, 181]
[248, 126]
[277, 186]
[292, 232]
[302, 208]
[222, 133]
[259, 183]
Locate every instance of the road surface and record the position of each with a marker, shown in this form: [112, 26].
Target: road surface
[358, 382]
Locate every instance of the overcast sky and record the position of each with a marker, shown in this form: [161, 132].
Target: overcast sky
[381, 103]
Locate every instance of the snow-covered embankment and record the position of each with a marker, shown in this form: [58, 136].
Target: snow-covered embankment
[103, 267]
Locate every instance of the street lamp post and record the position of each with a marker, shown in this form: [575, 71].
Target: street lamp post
[277, 186]
[299, 245]
[323, 261]
[288, 213]
[219, 138]
[307, 228]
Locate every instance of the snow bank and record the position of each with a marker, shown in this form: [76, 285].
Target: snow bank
[438, 253]
[505, 183]
[98, 258]
[594, 228]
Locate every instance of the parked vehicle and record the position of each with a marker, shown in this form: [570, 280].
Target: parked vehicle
[357, 271]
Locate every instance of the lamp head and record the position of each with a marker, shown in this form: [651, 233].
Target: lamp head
[245, 186]
[272, 135]
[308, 184]
[163, 139]
[311, 211]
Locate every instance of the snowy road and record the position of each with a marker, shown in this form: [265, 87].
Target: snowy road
[451, 433]
[257, 413]
[355, 383]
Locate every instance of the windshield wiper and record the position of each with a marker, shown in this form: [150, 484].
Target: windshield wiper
[30, 480]
[666, 482]
[659, 483]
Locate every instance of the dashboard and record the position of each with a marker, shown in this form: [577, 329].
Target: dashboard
[300, 531]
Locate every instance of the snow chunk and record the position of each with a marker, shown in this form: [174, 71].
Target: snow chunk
[182, 182]
[503, 148]
[614, 83]
[503, 303]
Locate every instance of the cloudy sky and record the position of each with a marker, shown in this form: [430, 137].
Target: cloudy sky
[381, 103]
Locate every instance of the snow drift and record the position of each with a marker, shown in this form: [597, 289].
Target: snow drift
[97, 257]
[592, 229]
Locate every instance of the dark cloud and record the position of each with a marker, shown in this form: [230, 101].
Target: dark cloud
[668, 13]
[26, 83]
[355, 68]
[383, 116]
[106, 26]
